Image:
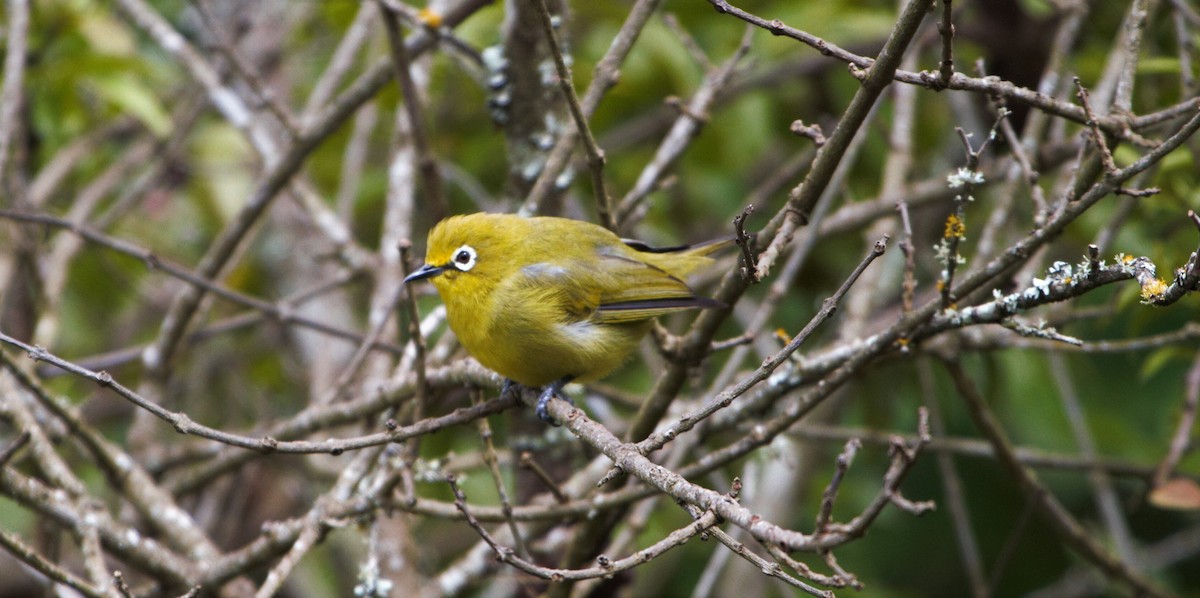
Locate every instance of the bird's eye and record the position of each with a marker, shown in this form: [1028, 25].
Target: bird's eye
[464, 258]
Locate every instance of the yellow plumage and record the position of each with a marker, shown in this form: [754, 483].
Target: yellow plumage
[545, 300]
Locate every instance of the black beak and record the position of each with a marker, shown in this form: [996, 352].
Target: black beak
[426, 271]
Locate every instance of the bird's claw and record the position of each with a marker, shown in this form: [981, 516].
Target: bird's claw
[544, 401]
[542, 404]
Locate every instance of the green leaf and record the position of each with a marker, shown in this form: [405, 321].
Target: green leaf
[1159, 359]
[105, 34]
[1158, 65]
[129, 95]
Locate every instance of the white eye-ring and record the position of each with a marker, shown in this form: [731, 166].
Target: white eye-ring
[464, 258]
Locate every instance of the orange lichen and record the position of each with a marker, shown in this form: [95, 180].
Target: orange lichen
[955, 227]
[1153, 289]
[430, 18]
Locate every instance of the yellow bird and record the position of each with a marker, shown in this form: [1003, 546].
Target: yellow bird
[543, 301]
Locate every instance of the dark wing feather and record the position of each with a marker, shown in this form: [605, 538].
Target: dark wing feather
[614, 289]
[646, 248]
[635, 290]
[663, 304]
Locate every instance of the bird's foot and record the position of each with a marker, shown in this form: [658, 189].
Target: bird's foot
[554, 388]
[510, 386]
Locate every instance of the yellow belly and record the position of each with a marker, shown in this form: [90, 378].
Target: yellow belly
[535, 353]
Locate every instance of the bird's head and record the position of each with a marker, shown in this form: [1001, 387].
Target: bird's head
[468, 255]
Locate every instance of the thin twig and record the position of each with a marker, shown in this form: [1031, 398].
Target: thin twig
[1181, 439]
[1044, 501]
[1097, 136]
[825, 513]
[266, 444]
[1108, 504]
[877, 77]
[952, 485]
[946, 30]
[11, 93]
[605, 568]
[493, 465]
[29, 556]
[727, 396]
[528, 462]
[964, 182]
[1121, 126]
[279, 312]
[341, 61]
[245, 70]
[744, 242]
[604, 202]
[13, 448]
[603, 78]
[417, 339]
[413, 108]
[687, 126]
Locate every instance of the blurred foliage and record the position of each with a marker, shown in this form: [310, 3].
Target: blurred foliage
[88, 69]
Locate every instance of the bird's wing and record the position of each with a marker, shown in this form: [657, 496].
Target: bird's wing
[613, 289]
[639, 291]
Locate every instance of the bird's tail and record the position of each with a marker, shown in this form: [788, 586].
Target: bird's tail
[699, 249]
[681, 260]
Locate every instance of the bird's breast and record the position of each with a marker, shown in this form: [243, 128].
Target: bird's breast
[535, 348]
